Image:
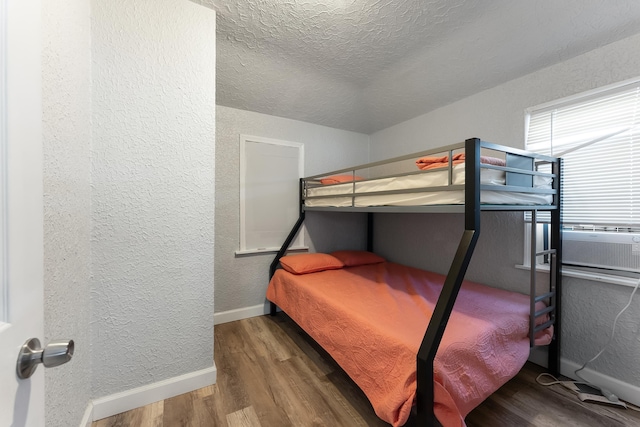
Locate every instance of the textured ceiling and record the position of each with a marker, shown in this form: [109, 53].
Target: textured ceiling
[365, 65]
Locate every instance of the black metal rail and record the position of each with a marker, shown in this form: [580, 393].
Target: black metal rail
[455, 276]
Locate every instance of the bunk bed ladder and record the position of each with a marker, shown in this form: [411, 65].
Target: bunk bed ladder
[552, 297]
[433, 336]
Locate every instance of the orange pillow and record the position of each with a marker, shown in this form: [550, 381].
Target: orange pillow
[310, 263]
[354, 258]
[337, 179]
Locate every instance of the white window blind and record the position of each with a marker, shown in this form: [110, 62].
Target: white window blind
[598, 136]
[270, 171]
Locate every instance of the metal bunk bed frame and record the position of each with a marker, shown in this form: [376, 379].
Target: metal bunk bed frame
[422, 413]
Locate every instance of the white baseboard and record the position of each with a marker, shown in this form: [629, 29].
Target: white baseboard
[240, 313]
[625, 391]
[87, 419]
[135, 398]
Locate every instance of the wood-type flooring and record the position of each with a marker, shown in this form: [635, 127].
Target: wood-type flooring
[271, 374]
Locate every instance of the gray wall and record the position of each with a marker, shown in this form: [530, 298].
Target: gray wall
[241, 282]
[497, 115]
[66, 102]
[152, 202]
[412, 239]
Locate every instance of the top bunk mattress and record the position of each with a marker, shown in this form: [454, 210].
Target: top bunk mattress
[426, 180]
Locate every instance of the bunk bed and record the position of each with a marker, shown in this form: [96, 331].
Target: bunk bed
[459, 178]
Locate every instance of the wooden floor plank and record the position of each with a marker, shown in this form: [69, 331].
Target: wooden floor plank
[484, 415]
[316, 395]
[347, 391]
[146, 416]
[271, 374]
[186, 410]
[292, 335]
[258, 389]
[215, 405]
[246, 417]
[267, 340]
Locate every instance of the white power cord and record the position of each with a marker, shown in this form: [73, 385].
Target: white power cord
[571, 386]
[607, 393]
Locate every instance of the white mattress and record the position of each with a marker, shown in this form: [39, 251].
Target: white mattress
[430, 179]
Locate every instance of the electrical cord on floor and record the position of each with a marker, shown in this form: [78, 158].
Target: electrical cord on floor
[555, 381]
[607, 393]
[545, 374]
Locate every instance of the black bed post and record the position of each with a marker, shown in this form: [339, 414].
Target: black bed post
[435, 330]
[287, 242]
[556, 243]
[370, 231]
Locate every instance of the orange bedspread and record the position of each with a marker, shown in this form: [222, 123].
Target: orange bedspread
[372, 318]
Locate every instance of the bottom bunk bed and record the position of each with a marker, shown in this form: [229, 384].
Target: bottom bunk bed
[371, 315]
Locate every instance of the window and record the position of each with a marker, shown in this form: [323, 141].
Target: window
[270, 171]
[598, 136]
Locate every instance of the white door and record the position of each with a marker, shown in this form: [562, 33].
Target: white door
[21, 218]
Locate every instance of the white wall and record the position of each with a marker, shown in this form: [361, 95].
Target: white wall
[241, 282]
[152, 203]
[497, 115]
[66, 102]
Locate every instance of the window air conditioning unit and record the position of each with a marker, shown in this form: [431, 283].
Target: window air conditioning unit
[618, 251]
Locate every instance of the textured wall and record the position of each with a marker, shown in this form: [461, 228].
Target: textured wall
[153, 178]
[497, 115]
[66, 101]
[338, 63]
[411, 239]
[242, 281]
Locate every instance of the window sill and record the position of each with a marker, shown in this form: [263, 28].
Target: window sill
[587, 275]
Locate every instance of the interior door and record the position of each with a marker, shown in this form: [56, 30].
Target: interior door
[21, 218]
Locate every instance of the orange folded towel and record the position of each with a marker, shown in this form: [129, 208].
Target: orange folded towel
[425, 163]
[337, 179]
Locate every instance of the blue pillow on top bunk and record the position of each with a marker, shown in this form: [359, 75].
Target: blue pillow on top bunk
[355, 258]
[310, 263]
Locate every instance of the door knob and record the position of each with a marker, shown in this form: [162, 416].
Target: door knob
[54, 354]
